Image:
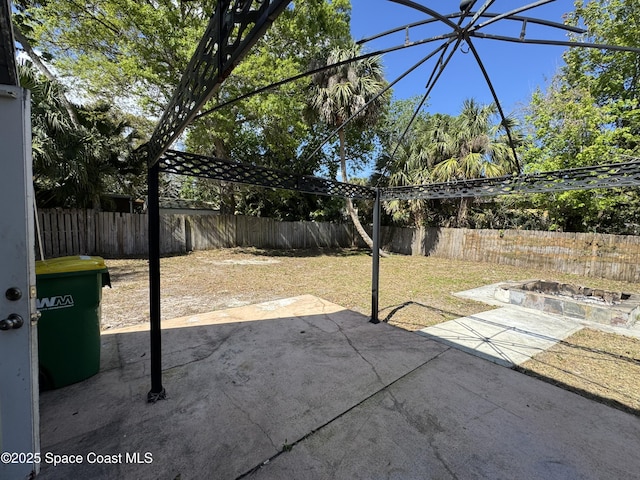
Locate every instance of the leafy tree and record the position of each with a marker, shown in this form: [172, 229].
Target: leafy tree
[609, 75]
[134, 53]
[570, 130]
[270, 129]
[590, 115]
[339, 96]
[130, 51]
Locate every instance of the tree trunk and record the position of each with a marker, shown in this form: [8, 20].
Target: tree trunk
[463, 213]
[420, 213]
[350, 209]
[228, 202]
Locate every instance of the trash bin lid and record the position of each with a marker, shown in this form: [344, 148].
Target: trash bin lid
[78, 263]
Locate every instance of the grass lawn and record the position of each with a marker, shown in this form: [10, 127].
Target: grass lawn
[415, 292]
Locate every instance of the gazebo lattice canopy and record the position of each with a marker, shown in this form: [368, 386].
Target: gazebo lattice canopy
[612, 175]
[237, 24]
[182, 163]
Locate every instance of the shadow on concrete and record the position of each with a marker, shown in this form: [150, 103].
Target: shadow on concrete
[242, 385]
[302, 388]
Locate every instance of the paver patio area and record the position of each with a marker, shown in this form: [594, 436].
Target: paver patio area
[302, 388]
[509, 335]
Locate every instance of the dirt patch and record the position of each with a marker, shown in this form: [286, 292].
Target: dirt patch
[415, 292]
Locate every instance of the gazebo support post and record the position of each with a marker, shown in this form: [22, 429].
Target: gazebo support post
[157, 390]
[375, 268]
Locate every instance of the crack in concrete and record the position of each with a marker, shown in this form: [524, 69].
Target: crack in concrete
[496, 405]
[248, 416]
[336, 465]
[337, 417]
[416, 423]
[355, 349]
[204, 357]
[327, 315]
[436, 452]
[313, 325]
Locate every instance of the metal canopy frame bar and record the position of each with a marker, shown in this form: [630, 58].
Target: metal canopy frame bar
[559, 43]
[233, 29]
[586, 178]
[181, 163]
[510, 13]
[308, 73]
[519, 18]
[421, 8]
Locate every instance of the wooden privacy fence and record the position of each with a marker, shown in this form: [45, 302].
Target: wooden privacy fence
[110, 234]
[73, 232]
[615, 257]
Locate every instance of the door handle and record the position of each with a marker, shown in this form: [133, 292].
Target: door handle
[13, 322]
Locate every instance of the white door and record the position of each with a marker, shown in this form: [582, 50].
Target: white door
[19, 421]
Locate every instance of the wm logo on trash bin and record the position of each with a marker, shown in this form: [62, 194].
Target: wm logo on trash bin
[52, 303]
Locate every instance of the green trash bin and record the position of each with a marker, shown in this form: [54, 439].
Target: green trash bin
[69, 295]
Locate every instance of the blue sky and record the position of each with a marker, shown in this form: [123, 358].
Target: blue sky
[515, 69]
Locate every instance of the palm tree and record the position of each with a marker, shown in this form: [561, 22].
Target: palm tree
[470, 146]
[340, 93]
[411, 165]
[77, 161]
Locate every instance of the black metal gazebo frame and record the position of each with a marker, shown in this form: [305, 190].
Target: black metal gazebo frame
[232, 30]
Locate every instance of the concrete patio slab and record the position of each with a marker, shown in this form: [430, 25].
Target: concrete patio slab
[303, 388]
[460, 417]
[508, 336]
[241, 384]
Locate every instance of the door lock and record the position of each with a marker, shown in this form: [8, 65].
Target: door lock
[14, 294]
[13, 322]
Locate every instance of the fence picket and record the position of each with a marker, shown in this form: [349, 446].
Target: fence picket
[73, 232]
